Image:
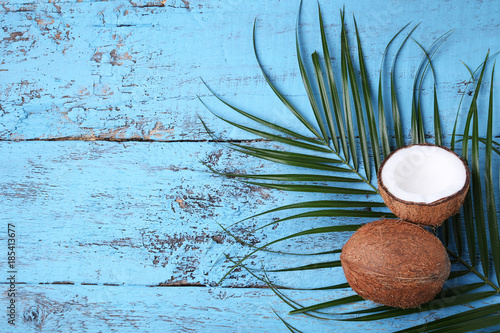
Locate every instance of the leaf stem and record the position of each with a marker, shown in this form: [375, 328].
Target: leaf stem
[354, 170]
[472, 269]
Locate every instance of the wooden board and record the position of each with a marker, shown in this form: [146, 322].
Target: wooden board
[125, 70]
[149, 211]
[65, 308]
[116, 217]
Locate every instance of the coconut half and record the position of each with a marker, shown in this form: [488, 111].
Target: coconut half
[423, 183]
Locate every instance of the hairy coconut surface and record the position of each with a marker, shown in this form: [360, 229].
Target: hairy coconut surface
[395, 263]
[423, 183]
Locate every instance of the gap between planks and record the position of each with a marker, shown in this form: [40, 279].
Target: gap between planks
[160, 285]
[151, 140]
[136, 140]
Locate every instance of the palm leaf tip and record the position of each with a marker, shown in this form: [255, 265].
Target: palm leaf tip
[310, 94]
[332, 86]
[289, 326]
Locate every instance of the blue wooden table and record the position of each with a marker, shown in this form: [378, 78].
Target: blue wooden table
[116, 218]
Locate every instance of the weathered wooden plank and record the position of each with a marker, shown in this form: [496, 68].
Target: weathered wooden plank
[142, 213]
[131, 70]
[174, 309]
[148, 214]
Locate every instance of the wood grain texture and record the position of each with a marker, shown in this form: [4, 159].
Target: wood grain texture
[170, 309]
[127, 70]
[136, 213]
[91, 215]
[64, 308]
[122, 236]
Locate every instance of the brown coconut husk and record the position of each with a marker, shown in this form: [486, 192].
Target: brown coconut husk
[395, 263]
[429, 214]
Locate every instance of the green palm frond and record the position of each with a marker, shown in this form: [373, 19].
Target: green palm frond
[290, 327]
[382, 124]
[344, 146]
[396, 116]
[417, 126]
[339, 121]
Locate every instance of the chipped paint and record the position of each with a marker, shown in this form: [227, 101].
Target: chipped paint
[99, 127]
[135, 57]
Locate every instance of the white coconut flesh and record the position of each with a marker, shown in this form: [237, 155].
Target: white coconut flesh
[423, 174]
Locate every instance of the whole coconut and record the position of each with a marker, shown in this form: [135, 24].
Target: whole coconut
[395, 263]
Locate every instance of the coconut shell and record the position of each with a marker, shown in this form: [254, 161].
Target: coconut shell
[429, 214]
[395, 263]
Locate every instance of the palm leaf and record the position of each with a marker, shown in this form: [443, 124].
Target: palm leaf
[274, 137]
[490, 192]
[266, 249]
[281, 97]
[445, 293]
[467, 207]
[291, 156]
[478, 197]
[319, 265]
[471, 325]
[278, 157]
[472, 81]
[264, 122]
[346, 98]
[290, 302]
[322, 204]
[454, 319]
[334, 213]
[292, 177]
[363, 143]
[384, 137]
[275, 288]
[333, 89]
[324, 99]
[308, 88]
[441, 303]
[457, 233]
[457, 274]
[370, 115]
[396, 116]
[494, 145]
[329, 304]
[317, 204]
[290, 327]
[313, 188]
[417, 125]
[335, 118]
[299, 234]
